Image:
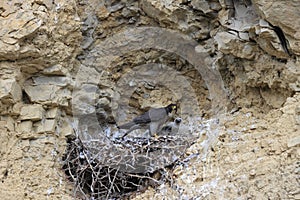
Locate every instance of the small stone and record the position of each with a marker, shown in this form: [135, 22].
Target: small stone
[260, 184]
[52, 113]
[51, 80]
[8, 123]
[10, 89]
[2, 125]
[132, 83]
[297, 115]
[297, 197]
[27, 24]
[201, 49]
[103, 12]
[55, 70]
[252, 172]
[269, 42]
[32, 112]
[116, 7]
[47, 126]
[41, 93]
[264, 23]
[84, 99]
[25, 126]
[16, 109]
[128, 12]
[103, 102]
[293, 142]
[66, 129]
[244, 36]
[215, 6]
[229, 43]
[48, 94]
[201, 5]
[253, 127]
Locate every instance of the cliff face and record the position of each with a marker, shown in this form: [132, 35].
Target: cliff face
[233, 66]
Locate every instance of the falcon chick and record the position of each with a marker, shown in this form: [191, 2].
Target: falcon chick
[172, 127]
[152, 120]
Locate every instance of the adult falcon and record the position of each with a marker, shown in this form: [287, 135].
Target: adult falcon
[153, 120]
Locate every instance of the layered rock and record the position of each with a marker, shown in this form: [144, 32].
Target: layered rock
[61, 59]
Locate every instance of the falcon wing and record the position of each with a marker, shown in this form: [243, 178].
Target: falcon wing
[142, 119]
[153, 115]
[158, 114]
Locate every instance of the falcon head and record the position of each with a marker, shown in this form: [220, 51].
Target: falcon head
[171, 107]
[178, 120]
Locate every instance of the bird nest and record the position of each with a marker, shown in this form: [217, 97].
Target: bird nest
[124, 167]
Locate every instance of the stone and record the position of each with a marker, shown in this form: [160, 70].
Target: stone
[18, 24]
[41, 93]
[201, 5]
[48, 94]
[229, 43]
[32, 112]
[295, 86]
[18, 27]
[51, 80]
[26, 27]
[84, 99]
[10, 89]
[103, 12]
[84, 72]
[293, 142]
[103, 102]
[52, 113]
[109, 93]
[101, 113]
[269, 41]
[45, 126]
[16, 109]
[2, 125]
[55, 70]
[8, 123]
[241, 19]
[297, 196]
[297, 115]
[66, 129]
[272, 98]
[215, 6]
[283, 14]
[25, 126]
[244, 36]
[128, 12]
[252, 172]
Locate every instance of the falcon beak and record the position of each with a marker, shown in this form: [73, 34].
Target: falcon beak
[174, 108]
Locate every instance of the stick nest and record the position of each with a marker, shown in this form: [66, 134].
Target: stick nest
[123, 167]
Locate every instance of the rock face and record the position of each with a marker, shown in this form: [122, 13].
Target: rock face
[278, 14]
[235, 65]
[250, 157]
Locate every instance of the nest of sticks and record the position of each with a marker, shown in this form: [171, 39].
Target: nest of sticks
[95, 179]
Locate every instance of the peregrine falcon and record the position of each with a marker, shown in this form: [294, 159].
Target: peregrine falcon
[152, 120]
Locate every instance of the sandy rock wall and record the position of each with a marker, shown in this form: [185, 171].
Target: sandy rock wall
[49, 49]
[37, 37]
[246, 157]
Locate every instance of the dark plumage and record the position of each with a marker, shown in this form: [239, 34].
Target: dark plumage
[152, 120]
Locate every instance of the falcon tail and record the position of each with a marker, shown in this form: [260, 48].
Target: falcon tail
[126, 126]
